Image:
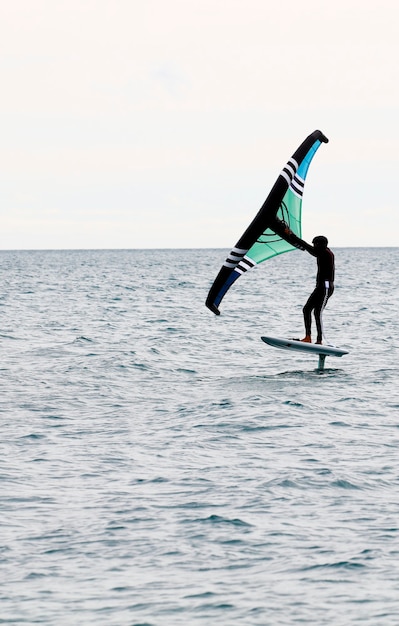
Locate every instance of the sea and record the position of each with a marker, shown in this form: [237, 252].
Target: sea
[162, 466]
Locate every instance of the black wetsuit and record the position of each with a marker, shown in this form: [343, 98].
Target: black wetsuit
[323, 290]
[324, 280]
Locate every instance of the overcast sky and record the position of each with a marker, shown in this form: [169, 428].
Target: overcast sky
[164, 123]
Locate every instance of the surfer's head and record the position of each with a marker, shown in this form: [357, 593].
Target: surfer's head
[320, 241]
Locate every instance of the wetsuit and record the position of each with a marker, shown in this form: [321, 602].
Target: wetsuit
[323, 290]
[324, 280]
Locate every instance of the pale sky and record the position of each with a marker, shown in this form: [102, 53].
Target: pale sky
[164, 123]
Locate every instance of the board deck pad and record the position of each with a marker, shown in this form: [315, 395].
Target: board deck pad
[310, 348]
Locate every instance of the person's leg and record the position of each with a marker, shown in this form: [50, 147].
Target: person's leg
[320, 305]
[307, 317]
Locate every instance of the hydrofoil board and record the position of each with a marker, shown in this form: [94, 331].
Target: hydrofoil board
[302, 346]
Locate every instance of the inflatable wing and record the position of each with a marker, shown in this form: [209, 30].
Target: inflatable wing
[260, 242]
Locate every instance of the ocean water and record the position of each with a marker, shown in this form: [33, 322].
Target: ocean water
[163, 466]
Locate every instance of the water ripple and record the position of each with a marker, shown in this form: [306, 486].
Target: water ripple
[160, 465]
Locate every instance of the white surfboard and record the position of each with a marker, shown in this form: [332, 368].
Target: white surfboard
[311, 348]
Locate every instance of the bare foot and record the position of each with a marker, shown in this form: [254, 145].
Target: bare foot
[307, 339]
[319, 343]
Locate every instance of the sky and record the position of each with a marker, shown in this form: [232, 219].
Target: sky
[164, 123]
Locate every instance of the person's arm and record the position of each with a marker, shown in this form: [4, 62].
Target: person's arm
[300, 243]
[281, 228]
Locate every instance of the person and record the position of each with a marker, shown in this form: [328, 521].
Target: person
[324, 281]
[324, 289]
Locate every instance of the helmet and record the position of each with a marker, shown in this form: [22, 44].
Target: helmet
[320, 241]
